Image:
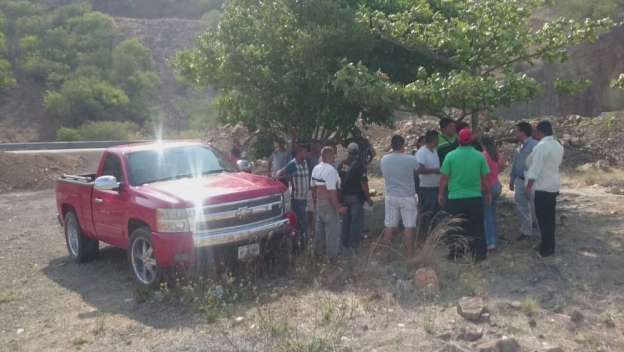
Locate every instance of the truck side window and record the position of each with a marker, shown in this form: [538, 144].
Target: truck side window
[112, 167]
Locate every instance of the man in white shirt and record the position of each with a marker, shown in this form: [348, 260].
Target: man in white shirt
[543, 177]
[398, 170]
[428, 173]
[325, 183]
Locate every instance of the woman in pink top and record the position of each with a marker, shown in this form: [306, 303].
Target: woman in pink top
[496, 164]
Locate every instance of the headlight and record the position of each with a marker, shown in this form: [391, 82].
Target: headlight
[286, 201]
[173, 220]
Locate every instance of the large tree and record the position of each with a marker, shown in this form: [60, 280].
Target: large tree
[483, 44]
[274, 64]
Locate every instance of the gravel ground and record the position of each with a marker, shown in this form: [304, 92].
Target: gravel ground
[48, 303]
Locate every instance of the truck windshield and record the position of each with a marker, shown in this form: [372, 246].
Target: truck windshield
[173, 163]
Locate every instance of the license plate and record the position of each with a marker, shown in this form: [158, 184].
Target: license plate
[250, 250]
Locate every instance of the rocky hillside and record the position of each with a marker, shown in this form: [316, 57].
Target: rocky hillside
[165, 37]
[600, 62]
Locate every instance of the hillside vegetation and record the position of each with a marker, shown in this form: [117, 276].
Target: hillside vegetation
[74, 53]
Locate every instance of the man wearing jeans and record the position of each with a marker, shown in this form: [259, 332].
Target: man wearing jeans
[398, 170]
[354, 193]
[465, 172]
[525, 206]
[543, 177]
[429, 173]
[298, 172]
[325, 183]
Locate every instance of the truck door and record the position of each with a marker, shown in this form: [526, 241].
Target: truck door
[109, 207]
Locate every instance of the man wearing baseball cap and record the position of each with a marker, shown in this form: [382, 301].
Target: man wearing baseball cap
[465, 172]
[354, 193]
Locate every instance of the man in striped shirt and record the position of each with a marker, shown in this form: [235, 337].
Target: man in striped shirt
[299, 174]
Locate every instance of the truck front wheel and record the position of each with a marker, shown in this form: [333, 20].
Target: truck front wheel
[142, 259]
[81, 248]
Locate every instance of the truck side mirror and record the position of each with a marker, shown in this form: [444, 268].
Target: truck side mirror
[107, 183]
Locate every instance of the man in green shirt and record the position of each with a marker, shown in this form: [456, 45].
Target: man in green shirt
[465, 172]
[447, 139]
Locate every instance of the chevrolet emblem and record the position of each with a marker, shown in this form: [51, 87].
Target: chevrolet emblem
[243, 213]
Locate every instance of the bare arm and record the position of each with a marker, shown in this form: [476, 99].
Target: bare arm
[486, 190]
[366, 192]
[425, 171]
[442, 189]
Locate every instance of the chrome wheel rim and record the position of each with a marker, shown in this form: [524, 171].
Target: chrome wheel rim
[143, 261]
[72, 237]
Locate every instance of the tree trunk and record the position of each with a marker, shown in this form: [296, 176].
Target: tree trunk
[475, 121]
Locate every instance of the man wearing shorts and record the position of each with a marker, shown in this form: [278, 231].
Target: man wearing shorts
[398, 170]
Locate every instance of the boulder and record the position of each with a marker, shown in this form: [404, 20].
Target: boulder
[471, 308]
[503, 345]
[452, 347]
[553, 349]
[470, 335]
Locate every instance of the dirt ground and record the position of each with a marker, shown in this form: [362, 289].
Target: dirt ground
[574, 301]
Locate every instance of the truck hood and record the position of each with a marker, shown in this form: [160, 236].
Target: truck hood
[211, 189]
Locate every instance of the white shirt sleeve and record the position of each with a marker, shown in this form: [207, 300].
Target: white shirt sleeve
[536, 163]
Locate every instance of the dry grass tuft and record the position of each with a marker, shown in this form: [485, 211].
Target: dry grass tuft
[530, 307]
[7, 296]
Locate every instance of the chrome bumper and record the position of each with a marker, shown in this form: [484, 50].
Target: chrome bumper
[240, 233]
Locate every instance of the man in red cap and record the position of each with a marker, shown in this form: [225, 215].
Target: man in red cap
[465, 172]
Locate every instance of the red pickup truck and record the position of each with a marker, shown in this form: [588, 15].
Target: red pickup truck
[167, 202]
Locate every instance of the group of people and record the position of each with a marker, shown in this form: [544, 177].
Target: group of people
[451, 171]
[459, 173]
[331, 193]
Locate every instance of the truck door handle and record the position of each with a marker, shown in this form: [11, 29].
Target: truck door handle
[99, 200]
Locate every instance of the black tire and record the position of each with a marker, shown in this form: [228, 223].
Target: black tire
[81, 248]
[145, 270]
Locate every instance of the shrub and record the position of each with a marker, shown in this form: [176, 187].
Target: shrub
[66, 134]
[108, 130]
[99, 131]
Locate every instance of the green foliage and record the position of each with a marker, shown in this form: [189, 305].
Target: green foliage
[479, 43]
[99, 131]
[132, 72]
[571, 87]
[274, 65]
[618, 82]
[71, 50]
[201, 113]
[67, 134]
[7, 80]
[85, 99]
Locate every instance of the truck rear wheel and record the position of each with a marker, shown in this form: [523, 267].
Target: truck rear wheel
[81, 248]
[142, 259]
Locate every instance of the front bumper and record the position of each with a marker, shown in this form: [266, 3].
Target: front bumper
[242, 233]
[175, 249]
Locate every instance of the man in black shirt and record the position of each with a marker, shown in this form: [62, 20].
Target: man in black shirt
[354, 193]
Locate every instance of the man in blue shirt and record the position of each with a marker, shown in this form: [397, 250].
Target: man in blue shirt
[298, 172]
[525, 206]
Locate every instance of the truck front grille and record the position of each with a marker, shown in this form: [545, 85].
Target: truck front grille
[240, 213]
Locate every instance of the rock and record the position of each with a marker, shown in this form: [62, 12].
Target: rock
[426, 278]
[471, 308]
[553, 349]
[451, 347]
[445, 336]
[503, 345]
[577, 316]
[515, 304]
[470, 335]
